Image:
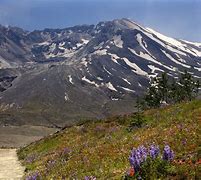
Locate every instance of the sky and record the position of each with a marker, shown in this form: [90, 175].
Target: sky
[176, 18]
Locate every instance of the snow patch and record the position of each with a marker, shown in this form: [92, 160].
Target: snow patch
[99, 46]
[44, 43]
[179, 59]
[118, 42]
[140, 41]
[153, 69]
[70, 31]
[114, 99]
[150, 35]
[114, 57]
[66, 98]
[175, 43]
[83, 61]
[89, 81]
[126, 81]
[101, 52]
[52, 47]
[127, 89]
[199, 69]
[107, 70]
[79, 45]
[192, 43]
[149, 58]
[62, 44]
[70, 79]
[139, 84]
[110, 86]
[137, 70]
[172, 59]
[85, 41]
[4, 64]
[99, 78]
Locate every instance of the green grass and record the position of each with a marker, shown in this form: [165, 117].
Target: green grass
[102, 148]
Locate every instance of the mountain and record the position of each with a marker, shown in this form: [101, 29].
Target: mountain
[56, 77]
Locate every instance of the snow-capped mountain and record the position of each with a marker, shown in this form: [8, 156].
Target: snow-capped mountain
[59, 75]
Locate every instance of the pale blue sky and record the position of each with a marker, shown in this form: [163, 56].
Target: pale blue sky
[176, 18]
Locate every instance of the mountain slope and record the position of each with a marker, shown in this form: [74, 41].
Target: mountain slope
[101, 149]
[57, 76]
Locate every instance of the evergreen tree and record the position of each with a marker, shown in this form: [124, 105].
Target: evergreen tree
[152, 98]
[162, 90]
[163, 87]
[189, 87]
[175, 92]
[197, 87]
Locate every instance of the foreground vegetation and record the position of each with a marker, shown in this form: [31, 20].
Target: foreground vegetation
[101, 149]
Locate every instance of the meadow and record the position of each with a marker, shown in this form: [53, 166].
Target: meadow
[100, 149]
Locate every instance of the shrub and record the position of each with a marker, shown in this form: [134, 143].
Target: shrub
[137, 120]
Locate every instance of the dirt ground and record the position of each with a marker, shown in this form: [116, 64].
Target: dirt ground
[10, 167]
[18, 136]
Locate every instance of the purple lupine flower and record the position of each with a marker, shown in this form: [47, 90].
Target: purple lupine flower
[143, 153]
[154, 151]
[134, 160]
[90, 178]
[31, 158]
[137, 157]
[34, 176]
[168, 154]
[184, 141]
[66, 151]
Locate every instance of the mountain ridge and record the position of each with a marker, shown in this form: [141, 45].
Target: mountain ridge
[62, 75]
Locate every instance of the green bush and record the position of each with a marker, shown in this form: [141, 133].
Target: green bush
[137, 120]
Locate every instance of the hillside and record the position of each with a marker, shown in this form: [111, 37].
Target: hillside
[101, 148]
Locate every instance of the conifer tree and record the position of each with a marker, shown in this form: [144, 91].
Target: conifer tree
[162, 90]
[163, 87]
[174, 92]
[152, 97]
[189, 87]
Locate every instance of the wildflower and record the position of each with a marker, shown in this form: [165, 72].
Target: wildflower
[90, 178]
[168, 154]
[131, 172]
[154, 151]
[137, 157]
[31, 158]
[180, 162]
[65, 154]
[190, 162]
[198, 162]
[66, 151]
[184, 141]
[134, 159]
[34, 176]
[143, 152]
